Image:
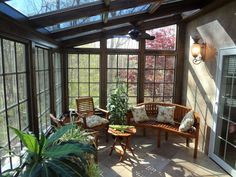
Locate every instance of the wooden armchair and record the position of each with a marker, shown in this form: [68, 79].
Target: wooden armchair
[86, 111]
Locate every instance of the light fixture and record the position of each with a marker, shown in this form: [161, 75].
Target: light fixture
[198, 51]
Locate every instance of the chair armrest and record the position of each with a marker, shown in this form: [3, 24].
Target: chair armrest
[129, 115]
[104, 111]
[83, 117]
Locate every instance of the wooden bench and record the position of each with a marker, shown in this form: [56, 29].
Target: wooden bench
[180, 111]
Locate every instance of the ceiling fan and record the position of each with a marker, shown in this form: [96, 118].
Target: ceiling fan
[136, 34]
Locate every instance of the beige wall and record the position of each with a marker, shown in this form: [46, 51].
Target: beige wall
[218, 29]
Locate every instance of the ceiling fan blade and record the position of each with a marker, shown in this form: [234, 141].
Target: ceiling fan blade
[137, 35]
[147, 36]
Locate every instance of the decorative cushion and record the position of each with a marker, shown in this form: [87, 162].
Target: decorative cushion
[187, 122]
[139, 113]
[95, 120]
[166, 114]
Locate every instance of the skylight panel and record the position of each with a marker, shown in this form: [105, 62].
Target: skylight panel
[35, 7]
[74, 23]
[128, 11]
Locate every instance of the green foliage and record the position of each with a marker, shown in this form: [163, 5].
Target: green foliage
[118, 105]
[53, 156]
[121, 128]
[93, 170]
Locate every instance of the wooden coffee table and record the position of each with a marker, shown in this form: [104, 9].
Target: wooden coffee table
[123, 139]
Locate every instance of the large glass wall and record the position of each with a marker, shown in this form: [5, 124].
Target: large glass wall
[42, 83]
[159, 78]
[57, 71]
[123, 68]
[83, 77]
[13, 99]
[165, 38]
[124, 63]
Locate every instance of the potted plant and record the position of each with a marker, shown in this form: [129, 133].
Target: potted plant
[54, 156]
[117, 105]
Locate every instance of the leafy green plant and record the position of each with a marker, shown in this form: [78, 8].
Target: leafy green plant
[52, 156]
[121, 128]
[118, 105]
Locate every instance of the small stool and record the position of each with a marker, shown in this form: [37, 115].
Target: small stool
[123, 139]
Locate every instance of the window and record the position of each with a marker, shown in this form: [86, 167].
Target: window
[13, 99]
[125, 69]
[33, 7]
[42, 83]
[83, 77]
[159, 78]
[165, 38]
[57, 83]
[122, 43]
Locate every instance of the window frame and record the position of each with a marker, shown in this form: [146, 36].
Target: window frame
[19, 101]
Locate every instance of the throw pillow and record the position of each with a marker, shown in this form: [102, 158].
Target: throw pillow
[187, 122]
[166, 114]
[95, 120]
[139, 113]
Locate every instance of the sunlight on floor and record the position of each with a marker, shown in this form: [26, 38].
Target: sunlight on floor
[171, 159]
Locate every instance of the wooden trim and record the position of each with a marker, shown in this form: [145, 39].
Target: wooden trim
[33, 89]
[21, 30]
[180, 46]
[65, 95]
[83, 50]
[154, 7]
[141, 65]
[103, 73]
[107, 2]
[51, 82]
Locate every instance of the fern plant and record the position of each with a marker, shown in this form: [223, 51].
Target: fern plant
[52, 157]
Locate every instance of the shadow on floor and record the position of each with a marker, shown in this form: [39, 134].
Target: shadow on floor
[173, 158]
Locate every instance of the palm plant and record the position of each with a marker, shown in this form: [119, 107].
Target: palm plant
[51, 156]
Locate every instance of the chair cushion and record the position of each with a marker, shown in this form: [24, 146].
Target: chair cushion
[187, 122]
[94, 120]
[166, 114]
[139, 113]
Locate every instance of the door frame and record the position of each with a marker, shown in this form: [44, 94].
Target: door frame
[219, 161]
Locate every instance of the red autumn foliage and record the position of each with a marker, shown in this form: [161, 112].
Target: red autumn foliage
[158, 69]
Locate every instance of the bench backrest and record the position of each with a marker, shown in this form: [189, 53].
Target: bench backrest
[180, 110]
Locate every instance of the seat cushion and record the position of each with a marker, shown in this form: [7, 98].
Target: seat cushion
[94, 120]
[139, 113]
[187, 122]
[166, 114]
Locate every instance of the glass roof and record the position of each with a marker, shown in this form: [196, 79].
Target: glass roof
[35, 7]
[74, 23]
[128, 11]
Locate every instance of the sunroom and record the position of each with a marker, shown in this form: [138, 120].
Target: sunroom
[162, 52]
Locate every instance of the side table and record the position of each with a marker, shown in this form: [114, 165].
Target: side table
[123, 139]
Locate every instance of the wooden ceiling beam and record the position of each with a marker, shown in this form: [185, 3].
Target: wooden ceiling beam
[120, 30]
[154, 7]
[106, 13]
[87, 10]
[107, 2]
[164, 10]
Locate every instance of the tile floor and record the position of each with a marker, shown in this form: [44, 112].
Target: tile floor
[171, 159]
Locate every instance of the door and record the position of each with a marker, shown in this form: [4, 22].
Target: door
[223, 139]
